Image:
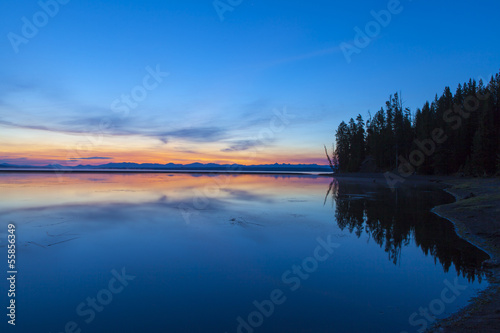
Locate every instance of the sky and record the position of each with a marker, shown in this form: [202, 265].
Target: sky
[225, 81]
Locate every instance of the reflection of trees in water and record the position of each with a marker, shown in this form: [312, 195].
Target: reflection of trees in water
[394, 219]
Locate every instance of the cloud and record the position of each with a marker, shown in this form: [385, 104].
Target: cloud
[92, 158]
[13, 160]
[138, 124]
[199, 134]
[242, 145]
[125, 127]
[187, 151]
[35, 127]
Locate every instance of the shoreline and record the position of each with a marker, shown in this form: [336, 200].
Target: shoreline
[475, 215]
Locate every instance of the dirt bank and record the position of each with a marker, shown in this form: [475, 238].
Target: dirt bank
[476, 216]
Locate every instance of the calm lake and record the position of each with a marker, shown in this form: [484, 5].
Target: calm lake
[230, 253]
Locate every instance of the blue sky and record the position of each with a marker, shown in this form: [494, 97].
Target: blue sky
[226, 78]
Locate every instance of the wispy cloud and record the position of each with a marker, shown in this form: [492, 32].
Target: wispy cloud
[198, 134]
[92, 158]
[242, 145]
[127, 127]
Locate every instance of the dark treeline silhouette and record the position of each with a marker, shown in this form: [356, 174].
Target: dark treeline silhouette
[455, 133]
[393, 220]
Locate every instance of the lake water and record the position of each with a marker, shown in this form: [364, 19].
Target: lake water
[230, 253]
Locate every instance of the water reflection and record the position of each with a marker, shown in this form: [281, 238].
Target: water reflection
[396, 219]
[198, 274]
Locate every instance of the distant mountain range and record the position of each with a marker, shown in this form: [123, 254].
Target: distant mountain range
[183, 167]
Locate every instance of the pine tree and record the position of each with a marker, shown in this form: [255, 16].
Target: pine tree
[353, 164]
[424, 121]
[375, 138]
[342, 146]
[498, 163]
[359, 141]
[477, 155]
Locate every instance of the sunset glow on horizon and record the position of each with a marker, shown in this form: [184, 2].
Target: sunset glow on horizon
[97, 149]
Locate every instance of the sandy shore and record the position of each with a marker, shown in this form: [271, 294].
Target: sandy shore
[476, 216]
